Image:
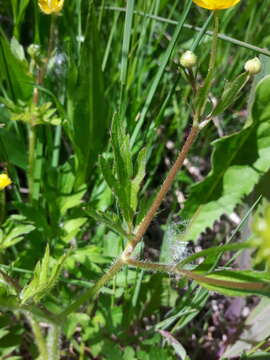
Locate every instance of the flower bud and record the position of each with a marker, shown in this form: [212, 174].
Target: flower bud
[188, 59]
[34, 51]
[253, 66]
[4, 181]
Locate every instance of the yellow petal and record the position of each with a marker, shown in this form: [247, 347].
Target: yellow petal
[50, 6]
[4, 181]
[216, 4]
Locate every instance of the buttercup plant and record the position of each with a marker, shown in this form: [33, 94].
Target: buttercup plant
[61, 205]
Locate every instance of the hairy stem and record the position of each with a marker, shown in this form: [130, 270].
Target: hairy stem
[53, 342]
[194, 276]
[39, 338]
[93, 292]
[163, 191]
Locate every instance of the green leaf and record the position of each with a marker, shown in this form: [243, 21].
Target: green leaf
[119, 191]
[136, 182]
[13, 230]
[61, 192]
[13, 148]
[238, 162]
[88, 121]
[72, 321]
[106, 168]
[126, 40]
[123, 166]
[108, 218]
[235, 283]
[214, 252]
[44, 278]
[71, 227]
[18, 10]
[122, 153]
[230, 93]
[124, 184]
[15, 235]
[17, 49]
[92, 254]
[14, 73]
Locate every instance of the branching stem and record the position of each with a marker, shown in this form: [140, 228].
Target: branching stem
[93, 292]
[197, 277]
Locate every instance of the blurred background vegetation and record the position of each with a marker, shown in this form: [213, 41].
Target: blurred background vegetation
[102, 60]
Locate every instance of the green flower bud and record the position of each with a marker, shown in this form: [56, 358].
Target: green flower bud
[188, 59]
[253, 66]
[33, 51]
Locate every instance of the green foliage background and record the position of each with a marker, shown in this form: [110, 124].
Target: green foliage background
[115, 112]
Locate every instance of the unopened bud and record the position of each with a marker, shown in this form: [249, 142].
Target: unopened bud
[188, 59]
[253, 66]
[34, 51]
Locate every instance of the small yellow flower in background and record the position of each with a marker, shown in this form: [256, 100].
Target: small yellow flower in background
[216, 4]
[4, 181]
[51, 6]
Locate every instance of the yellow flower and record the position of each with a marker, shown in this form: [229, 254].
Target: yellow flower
[51, 6]
[4, 181]
[216, 4]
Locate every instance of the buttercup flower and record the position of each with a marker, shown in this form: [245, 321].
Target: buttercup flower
[216, 4]
[51, 6]
[4, 181]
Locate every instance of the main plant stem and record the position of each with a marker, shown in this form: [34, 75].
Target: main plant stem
[39, 338]
[53, 342]
[162, 192]
[93, 292]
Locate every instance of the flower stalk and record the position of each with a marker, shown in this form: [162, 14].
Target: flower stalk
[41, 70]
[204, 91]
